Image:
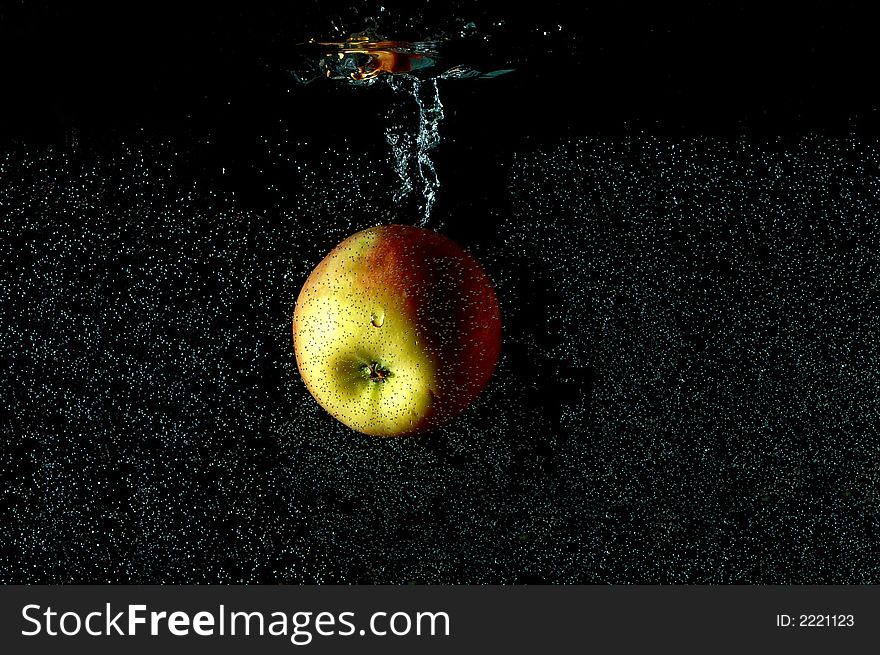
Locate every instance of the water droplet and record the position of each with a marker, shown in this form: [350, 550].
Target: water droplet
[377, 318]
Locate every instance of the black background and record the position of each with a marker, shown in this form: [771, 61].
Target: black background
[202, 178]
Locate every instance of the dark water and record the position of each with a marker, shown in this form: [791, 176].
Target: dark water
[689, 385]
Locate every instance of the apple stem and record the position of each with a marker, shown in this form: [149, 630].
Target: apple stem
[377, 373]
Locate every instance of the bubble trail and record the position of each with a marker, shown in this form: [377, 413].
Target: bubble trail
[410, 68]
[412, 152]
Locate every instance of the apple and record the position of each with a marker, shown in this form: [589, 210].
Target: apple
[397, 330]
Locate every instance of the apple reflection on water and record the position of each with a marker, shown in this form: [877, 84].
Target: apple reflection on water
[364, 57]
[397, 330]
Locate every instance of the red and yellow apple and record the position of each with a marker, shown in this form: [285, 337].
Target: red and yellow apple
[396, 331]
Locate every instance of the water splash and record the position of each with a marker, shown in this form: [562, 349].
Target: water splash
[411, 152]
[411, 68]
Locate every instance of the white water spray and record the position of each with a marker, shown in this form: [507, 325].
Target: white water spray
[412, 152]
